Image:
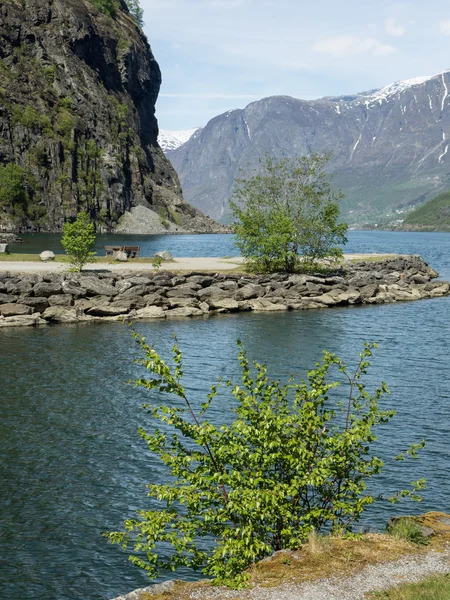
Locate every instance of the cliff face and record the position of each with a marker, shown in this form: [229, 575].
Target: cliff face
[389, 148]
[77, 121]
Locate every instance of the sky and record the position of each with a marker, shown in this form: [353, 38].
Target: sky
[216, 55]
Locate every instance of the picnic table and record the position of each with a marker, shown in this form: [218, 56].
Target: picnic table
[130, 251]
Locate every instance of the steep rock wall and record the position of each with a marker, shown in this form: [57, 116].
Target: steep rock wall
[77, 120]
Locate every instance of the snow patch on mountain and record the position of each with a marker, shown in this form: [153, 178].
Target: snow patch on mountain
[384, 93]
[171, 140]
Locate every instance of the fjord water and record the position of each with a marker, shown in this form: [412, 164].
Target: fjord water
[72, 465]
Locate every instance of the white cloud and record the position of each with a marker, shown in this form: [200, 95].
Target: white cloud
[393, 28]
[347, 45]
[445, 27]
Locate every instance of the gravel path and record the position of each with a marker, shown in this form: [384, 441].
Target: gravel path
[206, 263]
[372, 578]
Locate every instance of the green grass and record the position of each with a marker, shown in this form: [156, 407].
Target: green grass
[407, 529]
[436, 587]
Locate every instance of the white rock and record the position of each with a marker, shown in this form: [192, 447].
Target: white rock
[3, 248]
[121, 256]
[47, 255]
[164, 255]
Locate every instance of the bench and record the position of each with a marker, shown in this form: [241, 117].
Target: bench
[130, 251]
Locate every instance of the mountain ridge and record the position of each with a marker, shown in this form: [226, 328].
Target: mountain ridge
[389, 146]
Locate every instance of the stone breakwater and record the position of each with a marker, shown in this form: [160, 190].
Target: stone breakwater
[40, 299]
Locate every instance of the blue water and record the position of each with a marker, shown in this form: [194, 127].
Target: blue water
[72, 465]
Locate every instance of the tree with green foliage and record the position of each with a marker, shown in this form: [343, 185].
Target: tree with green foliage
[286, 209]
[16, 187]
[78, 240]
[108, 7]
[295, 459]
[136, 11]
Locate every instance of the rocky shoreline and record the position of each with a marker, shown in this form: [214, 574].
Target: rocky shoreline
[47, 298]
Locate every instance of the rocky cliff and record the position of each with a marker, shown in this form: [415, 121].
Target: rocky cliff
[389, 148]
[78, 87]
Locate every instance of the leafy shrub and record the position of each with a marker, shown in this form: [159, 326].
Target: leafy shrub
[78, 240]
[295, 460]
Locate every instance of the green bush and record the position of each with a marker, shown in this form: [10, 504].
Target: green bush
[295, 460]
[78, 240]
[287, 208]
[107, 7]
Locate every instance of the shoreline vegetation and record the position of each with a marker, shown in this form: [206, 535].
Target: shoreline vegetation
[375, 565]
[40, 294]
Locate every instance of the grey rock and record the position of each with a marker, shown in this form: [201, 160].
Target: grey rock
[37, 304]
[182, 291]
[180, 302]
[73, 287]
[60, 300]
[8, 298]
[61, 314]
[123, 286]
[121, 256]
[47, 289]
[263, 305]
[95, 286]
[151, 312]
[249, 291]
[224, 303]
[22, 321]
[11, 310]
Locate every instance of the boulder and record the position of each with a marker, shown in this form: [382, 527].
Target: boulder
[37, 304]
[164, 255]
[11, 310]
[60, 300]
[21, 287]
[7, 298]
[47, 255]
[73, 287]
[151, 312]
[107, 310]
[123, 285]
[249, 291]
[121, 256]
[61, 314]
[96, 287]
[3, 248]
[439, 290]
[182, 291]
[47, 289]
[263, 305]
[180, 302]
[224, 303]
[22, 321]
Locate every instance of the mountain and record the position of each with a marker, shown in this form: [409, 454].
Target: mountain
[389, 147]
[171, 140]
[434, 214]
[78, 86]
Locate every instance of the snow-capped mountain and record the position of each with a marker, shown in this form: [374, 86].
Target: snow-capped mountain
[390, 147]
[171, 140]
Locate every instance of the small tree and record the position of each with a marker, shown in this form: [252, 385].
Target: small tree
[134, 6]
[78, 240]
[286, 209]
[294, 460]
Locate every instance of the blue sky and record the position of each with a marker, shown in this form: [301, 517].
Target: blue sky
[216, 55]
